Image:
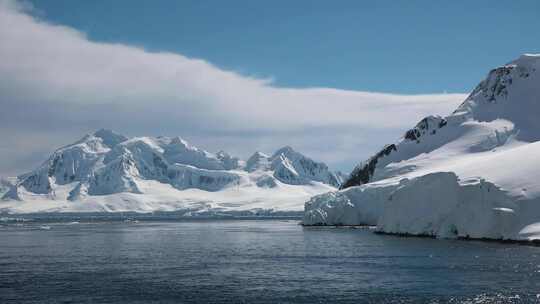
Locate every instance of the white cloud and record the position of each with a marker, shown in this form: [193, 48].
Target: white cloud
[57, 84]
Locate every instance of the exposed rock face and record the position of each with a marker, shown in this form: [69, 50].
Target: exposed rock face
[363, 172]
[427, 125]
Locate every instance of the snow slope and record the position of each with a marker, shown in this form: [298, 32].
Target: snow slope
[105, 171]
[474, 173]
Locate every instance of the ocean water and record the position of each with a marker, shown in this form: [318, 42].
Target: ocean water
[253, 261]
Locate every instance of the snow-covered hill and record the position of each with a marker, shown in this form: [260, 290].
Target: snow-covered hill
[474, 173]
[105, 171]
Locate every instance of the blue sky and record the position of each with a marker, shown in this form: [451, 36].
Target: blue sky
[385, 46]
[336, 80]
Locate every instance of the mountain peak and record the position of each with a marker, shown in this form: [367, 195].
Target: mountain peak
[284, 150]
[527, 59]
[177, 140]
[500, 105]
[260, 155]
[258, 161]
[109, 137]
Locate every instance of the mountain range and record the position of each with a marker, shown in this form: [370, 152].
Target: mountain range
[106, 171]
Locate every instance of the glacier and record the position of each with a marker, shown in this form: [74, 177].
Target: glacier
[472, 174]
[108, 172]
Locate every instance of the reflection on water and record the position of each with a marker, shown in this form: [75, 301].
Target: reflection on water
[253, 261]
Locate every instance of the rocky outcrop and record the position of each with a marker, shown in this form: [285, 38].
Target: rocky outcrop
[363, 172]
[428, 125]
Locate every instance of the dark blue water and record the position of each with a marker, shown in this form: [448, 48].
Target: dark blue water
[264, 261]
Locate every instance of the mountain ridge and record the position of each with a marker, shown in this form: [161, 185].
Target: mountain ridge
[105, 163]
[471, 174]
[490, 91]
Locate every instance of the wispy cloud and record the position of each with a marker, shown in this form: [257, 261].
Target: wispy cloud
[56, 84]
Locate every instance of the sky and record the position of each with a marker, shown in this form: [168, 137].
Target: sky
[334, 79]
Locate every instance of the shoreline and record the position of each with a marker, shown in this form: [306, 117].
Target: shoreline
[535, 242]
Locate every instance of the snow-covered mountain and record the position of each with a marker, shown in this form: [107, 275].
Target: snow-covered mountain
[474, 173]
[293, 168]
[105, 171]
[6, 184]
